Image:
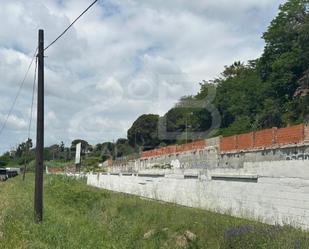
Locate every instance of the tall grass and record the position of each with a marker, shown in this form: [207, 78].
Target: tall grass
[79, 216]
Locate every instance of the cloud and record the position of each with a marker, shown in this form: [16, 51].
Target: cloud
[122, 59]
[109, 89]
[14, 122]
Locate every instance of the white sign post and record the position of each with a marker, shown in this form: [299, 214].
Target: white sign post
[77, 154]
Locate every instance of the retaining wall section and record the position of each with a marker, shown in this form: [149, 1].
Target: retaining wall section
[196, 159]
[272, 192]
[196, 145]
[210, 158]
[245, 141]
[228, 143]
[264, 139]
[306, 134]
[290, 135]
[238, 159]
[291, 143]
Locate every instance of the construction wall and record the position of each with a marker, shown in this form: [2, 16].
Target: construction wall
[238, 159]
[306, 133]
[263, 139]
[174, 149]
[210, 158]
[197, 159]
[291, 143]
[274, 192]
[261, 175]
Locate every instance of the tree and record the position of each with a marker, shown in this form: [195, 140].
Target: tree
[107, 151]
[144, 131]
[189, 115]
[23, 148]
[123, 148]
[286, 57]
[61, 147]
[104, 151]
[270, 115]
[5, 159]
[239, 97]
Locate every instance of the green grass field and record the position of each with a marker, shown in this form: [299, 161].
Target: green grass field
[79, 216]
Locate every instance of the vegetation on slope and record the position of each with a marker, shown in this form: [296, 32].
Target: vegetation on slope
[79, 216]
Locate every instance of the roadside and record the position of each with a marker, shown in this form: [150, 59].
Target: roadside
[79, 216]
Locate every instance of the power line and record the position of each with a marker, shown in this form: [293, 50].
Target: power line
[27, 72]
[17, 94]
[71, 25]
[30, 122]
[33, 94]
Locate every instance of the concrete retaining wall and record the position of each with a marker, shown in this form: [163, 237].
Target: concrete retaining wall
[238, 159]
[272, 192]
[209, 158]
[290, 143]
[197, 159]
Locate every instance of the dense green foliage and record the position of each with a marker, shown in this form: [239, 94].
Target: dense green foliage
[234, 100]
[144, 131]
[122, 148]
[110, 150]
[187, 116]
[79, 216]
[261, 93]
[285, 59]
[22, 155]
[59, 156]
[4, 160]
[104, 151]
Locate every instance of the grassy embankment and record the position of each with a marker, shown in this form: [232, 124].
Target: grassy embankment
[79, 216]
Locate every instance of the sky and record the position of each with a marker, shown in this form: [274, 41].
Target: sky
[122, 59]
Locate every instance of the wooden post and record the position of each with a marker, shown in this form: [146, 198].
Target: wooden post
[38, 195]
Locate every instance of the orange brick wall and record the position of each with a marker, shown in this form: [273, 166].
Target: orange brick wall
[245, 141]
[265, 138]
[307, 133]
[293, 134]
[228, 143]
[191, 146]
[199, 144]
[147, 153]
[175, 149]
[254, 140]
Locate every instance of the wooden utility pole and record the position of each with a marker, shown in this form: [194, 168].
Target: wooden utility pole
[25, 168]
[38, 195]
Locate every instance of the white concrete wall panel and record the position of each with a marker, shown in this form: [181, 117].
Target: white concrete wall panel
[280, 195]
